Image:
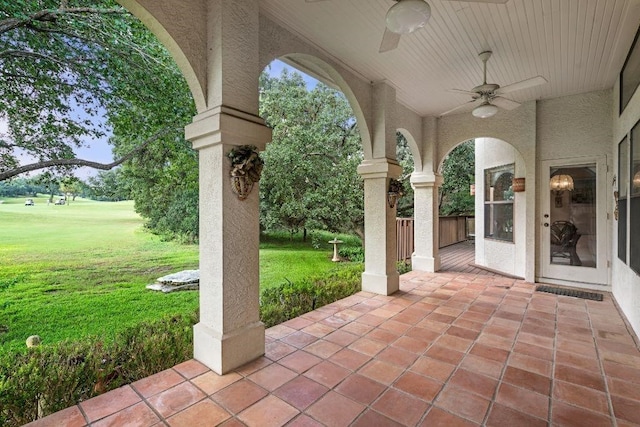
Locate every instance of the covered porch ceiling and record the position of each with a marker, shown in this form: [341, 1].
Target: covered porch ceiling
[576, 45]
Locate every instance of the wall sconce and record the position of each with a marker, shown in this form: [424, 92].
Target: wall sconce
[394, 193]
[636, 180]
[518, 185]
[560, 183]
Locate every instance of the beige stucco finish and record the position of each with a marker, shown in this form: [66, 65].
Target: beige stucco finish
[222, 46]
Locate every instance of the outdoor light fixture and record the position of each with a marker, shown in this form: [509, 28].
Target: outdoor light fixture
[484, 110]
[560, 183]
[407, 16]
[636, 180]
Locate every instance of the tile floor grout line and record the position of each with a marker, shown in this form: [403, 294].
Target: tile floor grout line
[627, 325]
[149, 405]
[492, 402]
[457, 366]
[86, 417]
[603, 374]
[553, 361]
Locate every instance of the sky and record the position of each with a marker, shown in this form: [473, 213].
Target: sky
[100, 151]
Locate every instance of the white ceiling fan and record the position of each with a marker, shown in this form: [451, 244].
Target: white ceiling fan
[488, 96]
[407, 16]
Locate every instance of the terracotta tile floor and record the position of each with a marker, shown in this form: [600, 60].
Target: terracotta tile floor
[449, 349]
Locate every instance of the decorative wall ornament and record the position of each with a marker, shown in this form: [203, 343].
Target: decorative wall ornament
[246, 168]
[394, 193]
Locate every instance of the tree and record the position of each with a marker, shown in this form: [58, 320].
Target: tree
[404, 207]
[458, 172]
[71, 187]
[109, 186]
[66, 70]
[309, 179]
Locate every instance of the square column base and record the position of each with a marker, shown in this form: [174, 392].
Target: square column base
[223, 353]
[381, 284]
[422, 263]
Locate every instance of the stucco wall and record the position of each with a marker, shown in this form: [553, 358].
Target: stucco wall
[507, 257]
[572, 126]
[624, 281]
[518, 129]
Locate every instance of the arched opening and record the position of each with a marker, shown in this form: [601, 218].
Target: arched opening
[310, 179]
[479, 177]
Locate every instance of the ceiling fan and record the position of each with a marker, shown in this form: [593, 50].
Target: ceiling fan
[407, 16]
[488, 96]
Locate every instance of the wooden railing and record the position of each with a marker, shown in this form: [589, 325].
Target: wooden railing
[452, 230]
[404, 234]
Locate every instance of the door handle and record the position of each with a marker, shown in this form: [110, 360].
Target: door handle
[546, 224]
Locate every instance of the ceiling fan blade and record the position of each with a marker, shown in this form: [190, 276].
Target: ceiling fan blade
[466, 104]
[482, 1]
[524, 84]
[390, 40]
[463, 92]
[505, 103]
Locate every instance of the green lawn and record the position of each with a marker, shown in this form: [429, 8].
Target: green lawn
[81, 269]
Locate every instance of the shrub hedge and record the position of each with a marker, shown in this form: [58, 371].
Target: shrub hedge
[289, 300]
[50, 378]
[53, 377]
[352, 253]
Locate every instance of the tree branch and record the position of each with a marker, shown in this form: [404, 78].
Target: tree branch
[81, 162]
[27, 54]
[51, 14]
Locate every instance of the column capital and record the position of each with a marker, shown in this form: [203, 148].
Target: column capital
[228, 125]
[425, 180]
[379, 168]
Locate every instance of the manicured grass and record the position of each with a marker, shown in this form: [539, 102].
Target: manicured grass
[81, 269]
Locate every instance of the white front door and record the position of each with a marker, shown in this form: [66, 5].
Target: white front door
[573, 221]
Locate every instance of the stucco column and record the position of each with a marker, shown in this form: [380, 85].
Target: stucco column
[229, 333]
[426, 256]
[380, 275]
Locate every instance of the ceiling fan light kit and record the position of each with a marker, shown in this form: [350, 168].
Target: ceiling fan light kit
[407, 16]
[484, 110]
[489, 96]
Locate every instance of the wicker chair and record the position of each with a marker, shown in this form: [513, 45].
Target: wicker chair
[564, 238]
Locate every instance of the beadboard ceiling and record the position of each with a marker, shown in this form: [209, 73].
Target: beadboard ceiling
[577, 45]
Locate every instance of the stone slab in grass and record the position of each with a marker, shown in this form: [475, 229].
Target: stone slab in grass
[186, 280]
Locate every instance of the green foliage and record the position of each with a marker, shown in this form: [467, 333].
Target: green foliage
[83, 277]
[54, 377]
[351, 253]
[109, 186]
[404, 207]
[403, 267]
[292, 299]
[78, 72]
[79, 269]
[22, 187]
[310, 179]
[458, 173]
